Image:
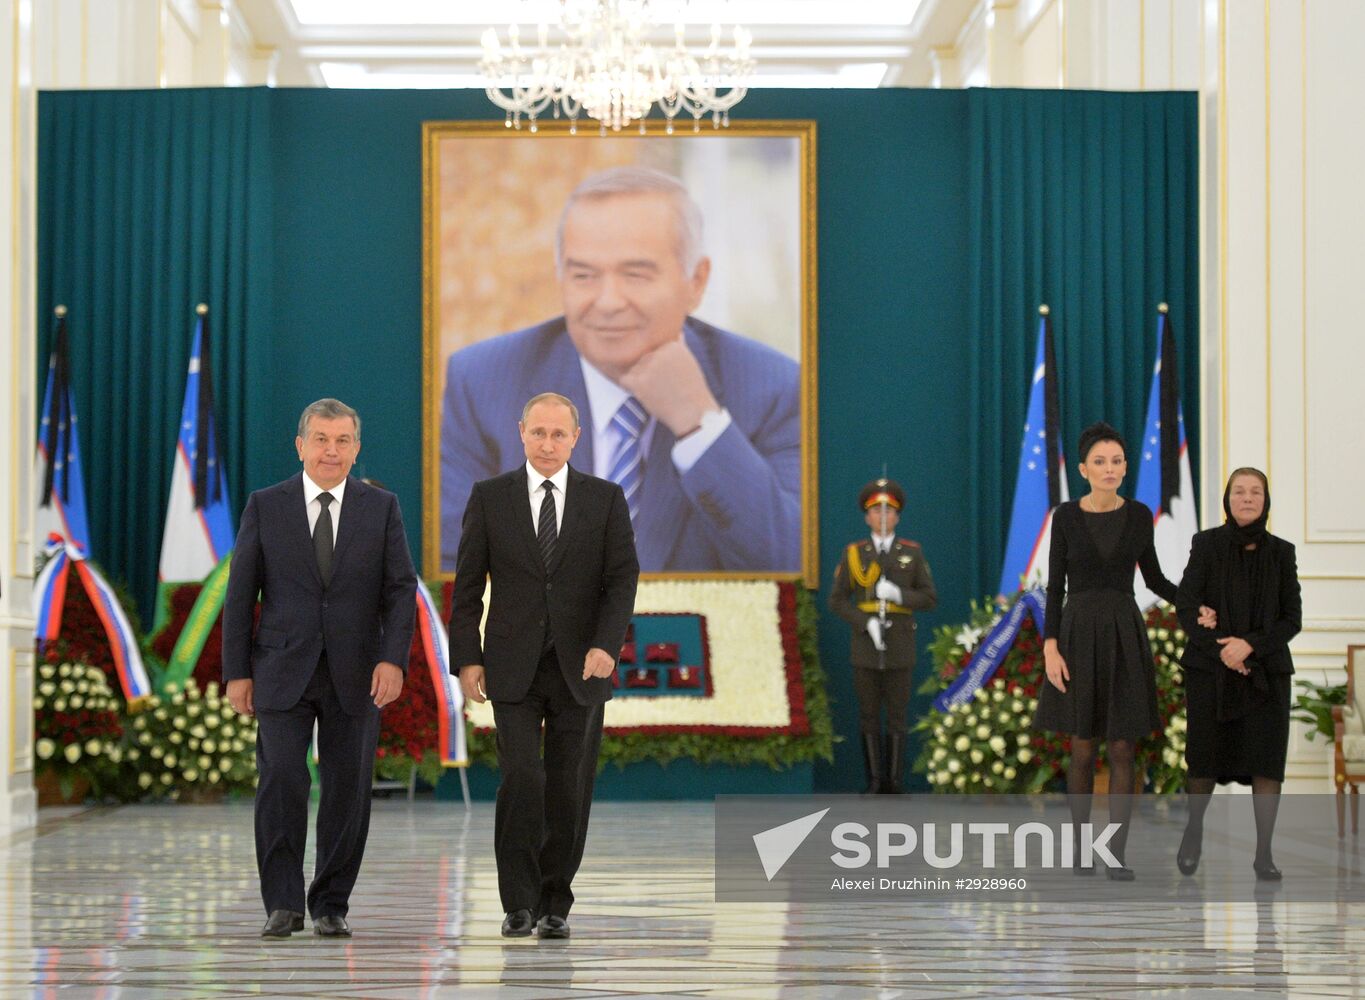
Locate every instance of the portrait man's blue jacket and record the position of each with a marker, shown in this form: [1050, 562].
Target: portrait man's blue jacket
[738, 508]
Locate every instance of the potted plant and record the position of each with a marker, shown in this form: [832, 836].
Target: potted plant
[1313, 706]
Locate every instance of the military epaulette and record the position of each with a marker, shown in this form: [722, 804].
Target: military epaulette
[909, 542]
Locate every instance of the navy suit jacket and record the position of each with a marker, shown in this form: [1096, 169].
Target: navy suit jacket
[738, 508]
[365, 616]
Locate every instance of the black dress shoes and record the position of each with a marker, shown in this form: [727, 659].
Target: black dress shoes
[552, 927]
[282, 923]
[1120, 874]
[518, 923]
[332, 927]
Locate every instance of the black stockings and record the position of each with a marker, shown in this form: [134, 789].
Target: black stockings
[1080, 786]
[1265, 804]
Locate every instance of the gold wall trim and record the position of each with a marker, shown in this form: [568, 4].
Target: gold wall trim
[161, 43]
[17, 503]
[1170, 54]
[1303, 236]
[1309, 536]
[558, 131]
[1061, 44]
[25, 762]
[1269, 394]
[1223, 240]
[13, 704]
[1142, 44]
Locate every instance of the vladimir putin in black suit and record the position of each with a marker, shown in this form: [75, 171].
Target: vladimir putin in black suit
[560, 550]
[328, 557]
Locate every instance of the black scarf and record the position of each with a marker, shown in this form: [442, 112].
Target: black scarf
[1248, 575]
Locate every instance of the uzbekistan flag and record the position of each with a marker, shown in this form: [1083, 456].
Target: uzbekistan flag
[61, 488]
[1041, 482]
[198, 533]
[449, 697]
[1165, 482]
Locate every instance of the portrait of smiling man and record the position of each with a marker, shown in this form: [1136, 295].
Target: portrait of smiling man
[701, 427]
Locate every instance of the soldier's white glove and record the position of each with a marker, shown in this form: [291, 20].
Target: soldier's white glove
[874, 629]
[888, 591]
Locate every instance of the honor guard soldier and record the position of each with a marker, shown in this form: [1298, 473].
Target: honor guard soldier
[878, 586]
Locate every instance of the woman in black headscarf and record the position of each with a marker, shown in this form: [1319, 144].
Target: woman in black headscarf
[1237, 686]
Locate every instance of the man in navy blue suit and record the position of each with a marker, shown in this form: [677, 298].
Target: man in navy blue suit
[700, 427]
[327, 559]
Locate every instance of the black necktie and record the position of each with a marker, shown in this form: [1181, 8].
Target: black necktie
[546, 532]
[322, 538]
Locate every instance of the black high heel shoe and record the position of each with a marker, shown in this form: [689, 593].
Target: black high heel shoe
[1266, 871]
[1188, 854]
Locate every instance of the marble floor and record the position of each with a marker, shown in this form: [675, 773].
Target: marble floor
[161, 901]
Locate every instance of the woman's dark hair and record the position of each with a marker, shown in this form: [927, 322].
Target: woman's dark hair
[1097, 432]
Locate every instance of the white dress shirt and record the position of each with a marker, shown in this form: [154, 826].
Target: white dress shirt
[537, 495]
[605, 398]
[882, 543]
[310, 499]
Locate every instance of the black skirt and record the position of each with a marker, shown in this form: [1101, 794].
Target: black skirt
[1112, 691]
[1253, 745]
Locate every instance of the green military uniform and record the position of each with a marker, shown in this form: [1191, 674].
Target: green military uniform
[882, 678]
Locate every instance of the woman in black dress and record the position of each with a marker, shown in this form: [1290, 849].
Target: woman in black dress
[1096, 652]
[1237, 687]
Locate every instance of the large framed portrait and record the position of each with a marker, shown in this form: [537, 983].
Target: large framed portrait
[665, 285]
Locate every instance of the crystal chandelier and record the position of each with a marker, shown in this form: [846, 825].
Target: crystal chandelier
[604, 66]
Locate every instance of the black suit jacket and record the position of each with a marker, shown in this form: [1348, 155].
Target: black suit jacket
[1203, 584]
[585, 596]
[365, 616]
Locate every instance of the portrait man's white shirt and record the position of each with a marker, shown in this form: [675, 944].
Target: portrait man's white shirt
[605, 398]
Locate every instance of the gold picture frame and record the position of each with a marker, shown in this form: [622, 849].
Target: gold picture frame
[512, 217]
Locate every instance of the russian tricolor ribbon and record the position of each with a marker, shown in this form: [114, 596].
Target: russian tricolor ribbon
[449, 697]
[50, 599]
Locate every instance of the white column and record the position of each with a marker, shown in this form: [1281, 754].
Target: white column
[213, 43]
[1002, 43]
[944, 60]
[17, 283]
[1283, 276]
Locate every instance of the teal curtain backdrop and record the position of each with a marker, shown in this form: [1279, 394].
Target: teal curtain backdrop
[945, 218]
[150, 203]
[1086, 202]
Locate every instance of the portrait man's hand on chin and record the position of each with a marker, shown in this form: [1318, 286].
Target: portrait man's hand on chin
[699, 426]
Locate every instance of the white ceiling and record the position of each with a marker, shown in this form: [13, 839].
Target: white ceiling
[435, 43]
